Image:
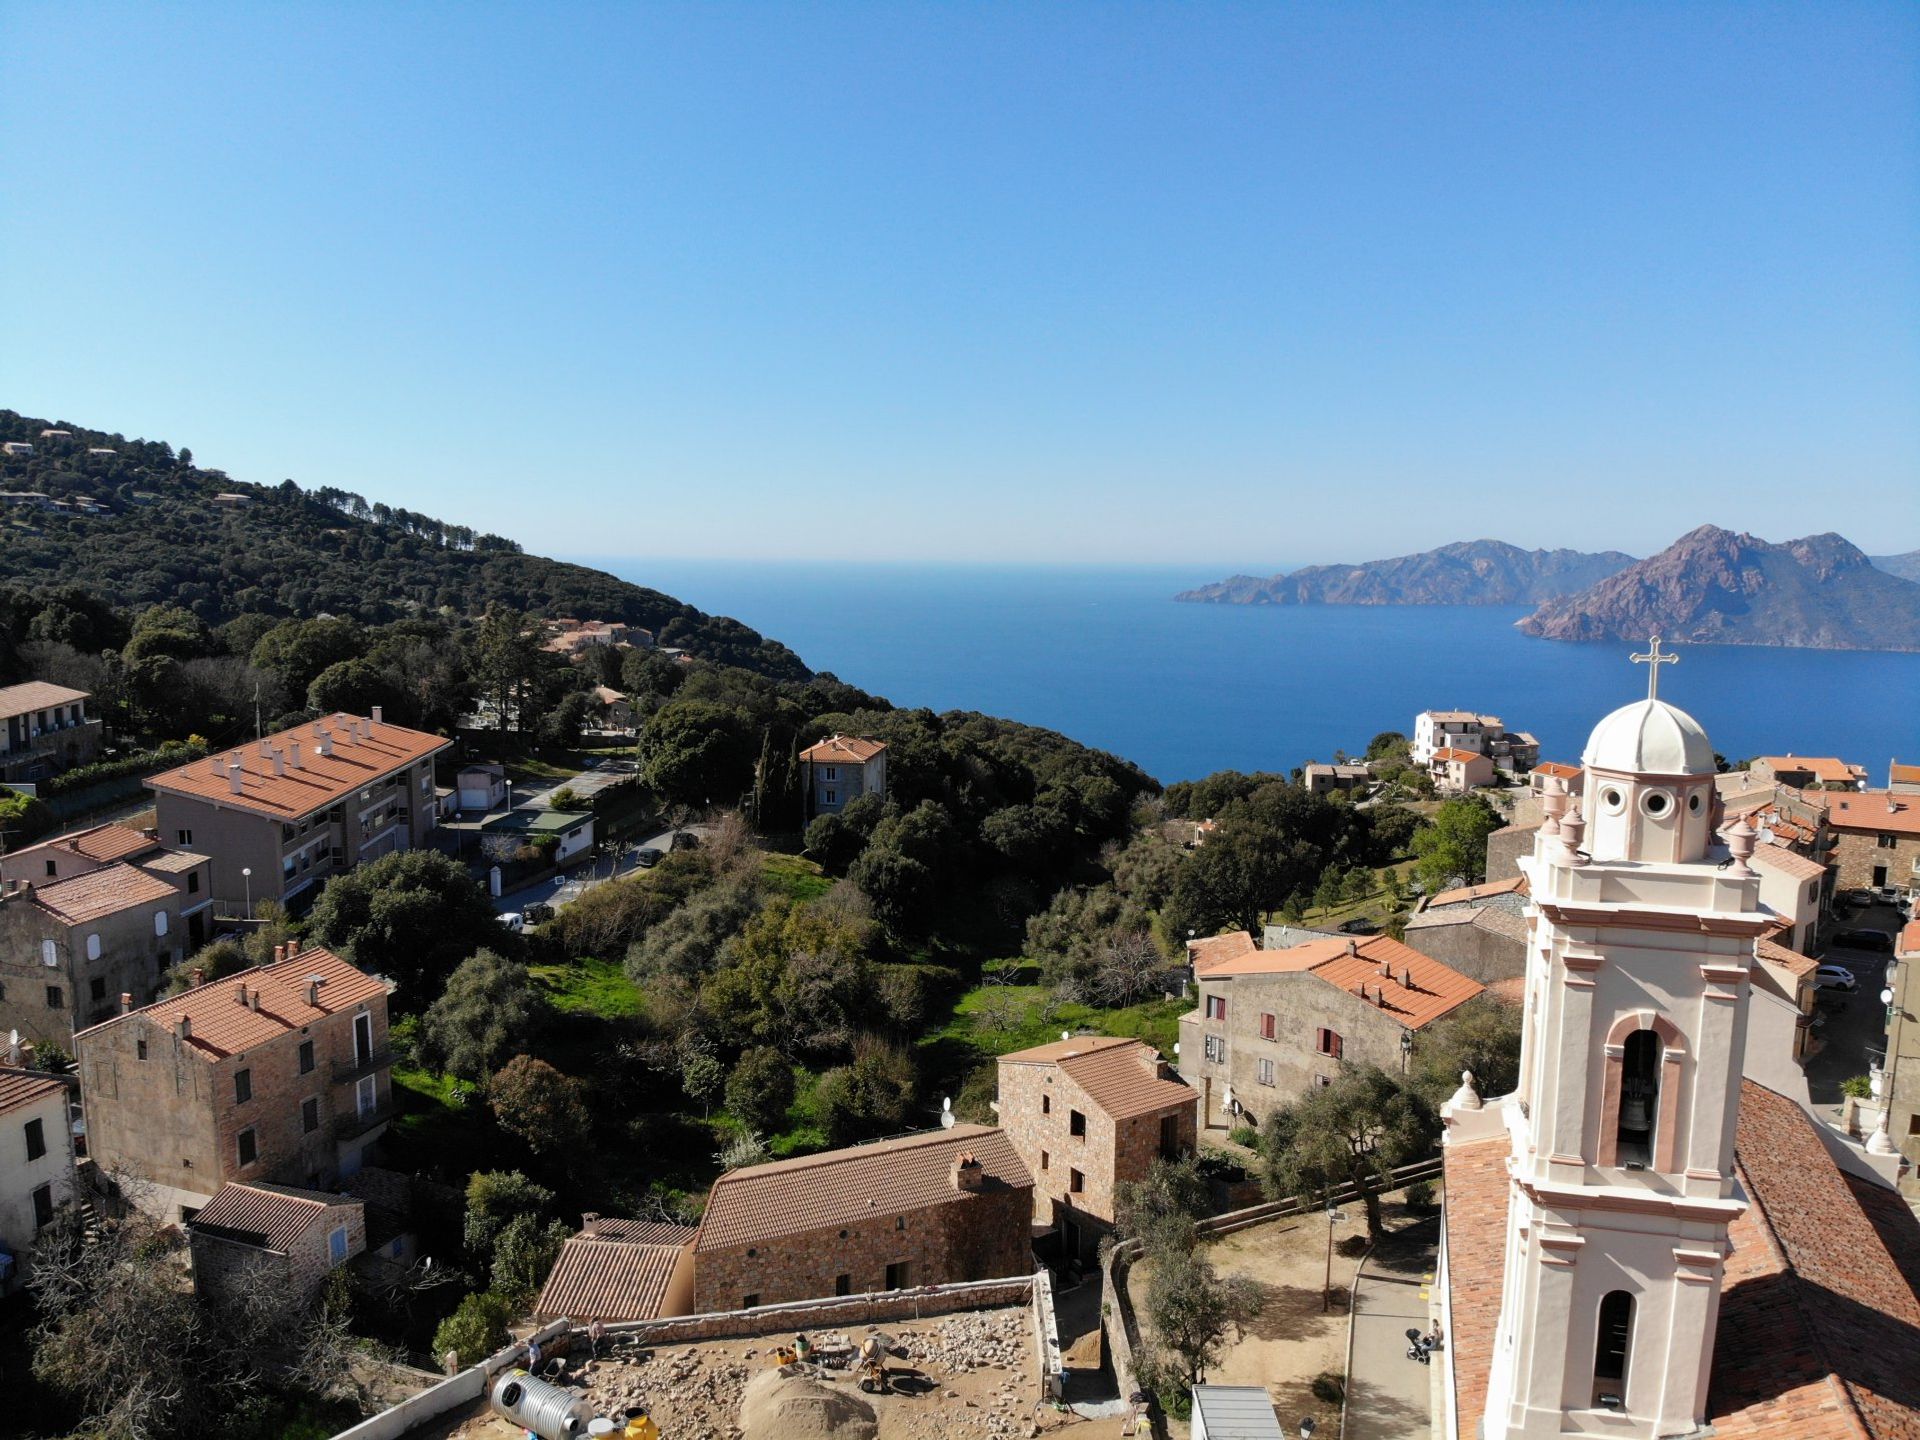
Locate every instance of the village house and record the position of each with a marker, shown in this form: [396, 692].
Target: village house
[1437, 730]
[1546, 770]
[1271, 1024]
[282, 814]
[36, 1164]
[616, 1270]
[573, 638]
[928, 1209]
[1780, 1017]
[255, 1240]
[1326, 779]
[1088, 1114]
[279, 1074]
[1898, 1080]
[1205, 953]
[615, 709]
[44, 730]
[1876, 840]
[1479, 930]
[1806, 772]
[842, 768]
[1903, 779]
[1458, 771]
[18, 447]
[1796, 889]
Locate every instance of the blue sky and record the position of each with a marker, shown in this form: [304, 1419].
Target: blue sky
[1247, 285]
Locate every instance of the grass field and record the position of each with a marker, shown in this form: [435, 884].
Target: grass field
[589, 987]
[794, 876]
[995, 1019]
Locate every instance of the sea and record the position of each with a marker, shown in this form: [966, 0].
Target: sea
[1107, 656]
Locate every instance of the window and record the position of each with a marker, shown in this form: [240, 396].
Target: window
[1328, 1042]
[193, 883]
[159, 922]
[751, 1300]
[1046, 1160]
[1076, 1124]
[97, 988]
[899, 1222]
[309, 1116]
[247, 1147]
[843, 1284]
[1170, 1146]
[50, 953]
[1885, 842]
[1216, 1048]
[93, 947]
[1265, 1074]
[139, 1049]
[1216, 1007]
[306, 1057]
[1046, 1104]
[43, 1207]
[1320, 1082]
[242, 1086]
[53, 869]
[185, 837]
[362, 1038]
[897, 1275]
[337, 1244]
[36, 1139]
[832, 773]
[1266, 1026]
[1615, 1335]
[832, 798]
[56, 998]
[1076, 1182]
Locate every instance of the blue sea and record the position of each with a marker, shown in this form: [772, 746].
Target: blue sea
[1106, 655]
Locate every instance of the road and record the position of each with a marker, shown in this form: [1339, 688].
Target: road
[1854, 1032]
[562, 890]
[1389, 1397]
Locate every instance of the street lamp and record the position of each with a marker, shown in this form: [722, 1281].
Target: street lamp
[1306, 1428]
[1326, 1291]
[246, 874]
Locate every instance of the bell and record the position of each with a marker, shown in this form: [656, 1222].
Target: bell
[1634, 1115]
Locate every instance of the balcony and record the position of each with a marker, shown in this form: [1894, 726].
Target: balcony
[351, 1127]
[347, 1071]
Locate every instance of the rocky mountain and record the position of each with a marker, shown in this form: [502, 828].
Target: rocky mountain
[1715, 587]
[1472, 572]
[1906, 566]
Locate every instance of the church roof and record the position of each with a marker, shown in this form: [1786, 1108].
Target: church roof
[1819, 1318]
[1649, 737]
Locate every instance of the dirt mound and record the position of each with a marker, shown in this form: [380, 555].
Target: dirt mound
[778, 1407]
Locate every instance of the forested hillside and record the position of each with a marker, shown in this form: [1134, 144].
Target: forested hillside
[159, 536]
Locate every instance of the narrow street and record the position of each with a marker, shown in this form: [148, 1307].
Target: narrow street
[1388, 1395]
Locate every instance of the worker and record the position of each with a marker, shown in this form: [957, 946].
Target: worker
[533, 1357]
[594, 1332]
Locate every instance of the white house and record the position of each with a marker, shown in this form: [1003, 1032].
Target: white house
[36, 1164]
[841, 769]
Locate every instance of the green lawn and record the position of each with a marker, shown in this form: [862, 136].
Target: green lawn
[433, 1128]
[994, 1019]
[589, 987]
[794, 876]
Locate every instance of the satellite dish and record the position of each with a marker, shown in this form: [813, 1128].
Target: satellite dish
[946, 1112]
[1066, 1035]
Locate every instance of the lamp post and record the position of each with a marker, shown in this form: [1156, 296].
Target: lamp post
[1306, 1428]
[1326, 1290]
[246, 875]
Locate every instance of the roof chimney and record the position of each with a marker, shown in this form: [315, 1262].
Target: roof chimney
[126, 1001]
[293, 754]
[1406, 976]
[325, 743]
[266, 746]
[1352, 948]
[215, 764]
[1386, 967]
[233, 777]
[279, 953]
[279, 763]
[378, 715]
[969, 1175]
[253, 1000]
[199, 977]
[186, 1027]
[240, 992]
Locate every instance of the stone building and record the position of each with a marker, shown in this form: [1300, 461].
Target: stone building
[280, 1074]
[1808, 772]
[1898, 1080]
[44, 730]
[1087, 1114]
[1876, 839]
[928, 1209]
[252, 1240]
[1796, 889]
[282, 814]
[620, 1270]
[75, 950]
[1326, 779]
[1505, 846]
[1270, 1024]
[842, 768]
[36, 1164]
[1479, 930]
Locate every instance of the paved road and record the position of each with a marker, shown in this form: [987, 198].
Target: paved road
[1854, 1034]
[1388, 1395]
[561, 890]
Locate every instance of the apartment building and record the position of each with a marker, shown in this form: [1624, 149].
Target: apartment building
[1086, 1115]
[1436, 730]
[279, 1075]
[842, 768]
[282, 814]
[44, 730]
[94, 934]
[927, 1209]
[36, 1164]
[1271, 1024]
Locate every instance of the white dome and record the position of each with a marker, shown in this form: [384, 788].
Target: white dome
[1650, 737]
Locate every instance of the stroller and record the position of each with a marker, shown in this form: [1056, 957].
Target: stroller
[1420, 1347]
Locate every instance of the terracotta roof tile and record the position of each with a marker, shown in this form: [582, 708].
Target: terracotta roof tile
[1828, 769]
[278, 1214]
[1792, 961]
[102, 892]
[609, 1280]
[1557, 768]
[26, 1087]
[1452, 754]
[848, 749]
[224, 1026]
[36, 695]
[174, 862]
[1909, 941]
[1898, 774]
[851, 1186]
[1437, 989]
[319, 781]
[102, 842]
[638, 1232]
[1788, 862]
[1896, 814]
[1467, 894]
[1120, 1076]
[1205, 954]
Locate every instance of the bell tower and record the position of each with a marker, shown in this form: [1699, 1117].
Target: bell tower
[1640, 939]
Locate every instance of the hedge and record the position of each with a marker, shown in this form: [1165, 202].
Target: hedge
[174, 752]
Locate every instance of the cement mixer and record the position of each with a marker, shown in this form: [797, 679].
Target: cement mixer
[871, 1363]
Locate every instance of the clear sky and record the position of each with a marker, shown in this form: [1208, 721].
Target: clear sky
[1246, 284]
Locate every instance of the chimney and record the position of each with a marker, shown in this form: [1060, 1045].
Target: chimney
[325, 743]
[279, 953]
[240, 992]
[126, 1001]
[186, 1027]
[293, 754]
[379, 715]
[969, 1175]
[233, 777]
[215, 764]
[1386, 967]
[588, 1220]
[313, 992]
[1352, 948]
[279, 763]
[1406, 977]
[253, 1000]
[266, 746]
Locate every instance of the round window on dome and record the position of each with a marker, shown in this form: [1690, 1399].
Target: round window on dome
[1693, 803]
[1656, 804]
[1613, 799]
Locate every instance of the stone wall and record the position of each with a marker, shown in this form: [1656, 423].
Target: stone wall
[830, 1311]
[1857, 854]
[1504, 849]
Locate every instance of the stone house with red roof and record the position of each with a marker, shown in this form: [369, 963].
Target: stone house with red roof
[1270, 1024]
[1087, 1114]
[840, 769]
[282, 814]
[927, 1209]
[616, 1270]
[36, 1164]
[1876, 839]
[279, 1074]
[254, 1240]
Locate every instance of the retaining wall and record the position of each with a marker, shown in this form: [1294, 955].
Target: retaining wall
[831, 1310]
[450, 1394]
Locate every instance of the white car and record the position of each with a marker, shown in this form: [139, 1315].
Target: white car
[1834, 977]
[517, 922]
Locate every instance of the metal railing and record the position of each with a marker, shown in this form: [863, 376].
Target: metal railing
[346, 1070]
[348, 1127]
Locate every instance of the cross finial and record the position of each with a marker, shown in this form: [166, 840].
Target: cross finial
[1653, 660]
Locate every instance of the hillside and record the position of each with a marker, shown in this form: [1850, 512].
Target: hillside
[1715, 587]
[136, 524]
[1472, 572]
[1906, 566]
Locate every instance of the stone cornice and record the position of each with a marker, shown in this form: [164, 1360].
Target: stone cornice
[1737, 924]
[1630, 1202]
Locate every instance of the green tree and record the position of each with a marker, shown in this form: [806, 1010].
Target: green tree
[485, 1016]
[872, 1096]
[1159, 1211]
[1388, 744]
[1356, 1132]
[1327, 893]
[546, 1109]
[760, 1089]
[905, 866]
[297, 651]
[352, 686]
[1191, 1309]
[524, 1254]
[1483, 1036]
[411, 916]
[1454, 843]
[476, 1329]
[694, 752]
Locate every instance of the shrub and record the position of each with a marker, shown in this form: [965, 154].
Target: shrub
[1330, 1388]
[173, 753]
[476, 1329]
[1352, 1246]
[1420, 1197]
[1858, 1086]
[1245, 1135]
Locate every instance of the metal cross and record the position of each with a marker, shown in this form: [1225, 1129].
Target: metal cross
[1653, 660]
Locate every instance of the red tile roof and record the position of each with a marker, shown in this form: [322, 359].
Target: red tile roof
[1121, 1076]
[26, 1087]
[1910, 938]
[102, 843]
[854, 1186]
[638, 1232]
[1557, 768]
[318, 781]
[1348, 965]
[609, 1280]
[1214, 950]
[1788, 862]
[1828, 769]
[1898, 774]
[848, 749]
[1876, 811]
[1792, 961]
[99, 893]
[278, 1214]
[1466, 894]
[36, 695]
[1451, 754]
[223, 1025]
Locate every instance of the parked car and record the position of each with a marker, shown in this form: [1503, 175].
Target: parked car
[647, 857]
[513, 920]
[538, 913]
[1362, 926]
[1834, 977]
[685, 840]
[1865, 940]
